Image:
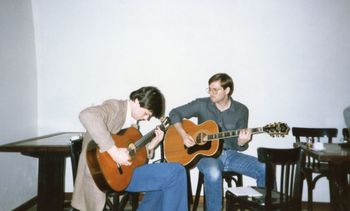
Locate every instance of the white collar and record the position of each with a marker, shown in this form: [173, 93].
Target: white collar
[129, 121]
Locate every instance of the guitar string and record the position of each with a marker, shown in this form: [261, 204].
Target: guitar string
[229, 134]
[144, 139]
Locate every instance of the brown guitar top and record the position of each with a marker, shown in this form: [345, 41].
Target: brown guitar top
[105, 171]
[207, 138]
[176, 151]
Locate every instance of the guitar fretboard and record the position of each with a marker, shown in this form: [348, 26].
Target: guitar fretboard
[149, 136]
[146, 138]
[231, 133]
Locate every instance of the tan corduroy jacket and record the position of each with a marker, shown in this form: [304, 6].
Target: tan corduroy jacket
[100, 121]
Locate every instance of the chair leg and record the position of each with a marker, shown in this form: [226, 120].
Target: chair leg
[108, 205]
[309, 195]
[123, 201]
[308, 178]
[189, 189]
[118, 202]
[115, 204]
[134, 201]
[309, 199]
[198, 191]
[240, 180]
[229, 205]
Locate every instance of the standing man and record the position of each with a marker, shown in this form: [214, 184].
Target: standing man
[228, 115]
[164, 184]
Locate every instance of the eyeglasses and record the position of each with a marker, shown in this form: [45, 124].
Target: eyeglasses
[214, 90]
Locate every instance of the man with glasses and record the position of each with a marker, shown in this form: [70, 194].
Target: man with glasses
[228, 114]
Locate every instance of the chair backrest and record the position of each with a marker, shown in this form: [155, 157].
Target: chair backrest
[75, 150]
[283, 168]
[325, 135]
[346, 134]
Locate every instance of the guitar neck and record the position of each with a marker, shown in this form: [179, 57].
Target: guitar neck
[232, 133]
[145, 139]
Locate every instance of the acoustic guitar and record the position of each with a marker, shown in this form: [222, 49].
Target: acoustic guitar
[206, 137]
[107, 174]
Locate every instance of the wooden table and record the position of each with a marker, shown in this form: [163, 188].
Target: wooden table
[339, 163]
[51, 150]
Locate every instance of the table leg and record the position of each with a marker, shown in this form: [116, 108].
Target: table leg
[339, 190]
[51, 182]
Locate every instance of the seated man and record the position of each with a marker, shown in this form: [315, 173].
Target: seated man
[164, 184]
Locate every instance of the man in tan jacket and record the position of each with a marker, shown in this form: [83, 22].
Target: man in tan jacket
[164, 184]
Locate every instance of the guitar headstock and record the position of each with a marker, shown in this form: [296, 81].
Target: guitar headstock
[165, 123]
[276, 129]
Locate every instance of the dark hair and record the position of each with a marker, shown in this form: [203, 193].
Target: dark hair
[150, 98]
[225, 81]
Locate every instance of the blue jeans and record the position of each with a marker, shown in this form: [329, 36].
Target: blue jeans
[164, 184]
[229, 160]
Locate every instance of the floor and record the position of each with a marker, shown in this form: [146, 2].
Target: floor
[316, 206]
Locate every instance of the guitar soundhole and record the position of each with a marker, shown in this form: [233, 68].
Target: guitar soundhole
[196, 148]
[201, 139]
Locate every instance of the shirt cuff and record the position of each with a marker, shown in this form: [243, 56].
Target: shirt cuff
[150, 152]
[112, 152]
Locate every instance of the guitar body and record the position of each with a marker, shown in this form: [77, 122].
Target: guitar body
[206, 137]
[176, 151]
[104, 169]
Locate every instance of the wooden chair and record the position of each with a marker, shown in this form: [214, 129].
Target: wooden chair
[282, 169]
[75, 150]
[115, 201]
[311, 165]
[346, 139]
[227, 176]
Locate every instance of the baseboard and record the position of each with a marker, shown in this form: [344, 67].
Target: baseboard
[26, 205]
[324, 205]
[68, 197]
[32, 202]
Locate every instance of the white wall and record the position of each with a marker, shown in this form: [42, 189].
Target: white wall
[289, 59]
[18, 101]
